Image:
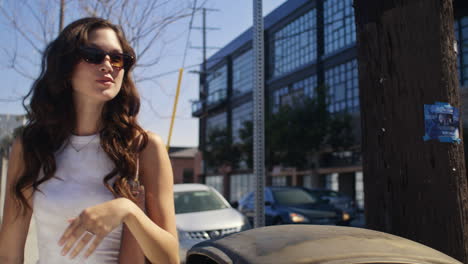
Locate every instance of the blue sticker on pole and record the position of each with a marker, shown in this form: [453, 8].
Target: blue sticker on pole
[441, 123]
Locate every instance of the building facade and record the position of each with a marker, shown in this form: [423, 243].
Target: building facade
[185, 164]
[307, 43]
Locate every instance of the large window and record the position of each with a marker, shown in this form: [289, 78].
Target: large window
[241, 184]
[286, 95]
[339, 27]
[242, 73]
[295, 44]
[217, 85]
[343, 87]
[217, 122]
[216, 142]
[277, 95]
[461, 33]
[240, 115]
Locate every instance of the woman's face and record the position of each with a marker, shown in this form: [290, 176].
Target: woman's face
[98, 83]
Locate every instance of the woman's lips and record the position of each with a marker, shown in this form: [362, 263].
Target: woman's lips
[105, 82]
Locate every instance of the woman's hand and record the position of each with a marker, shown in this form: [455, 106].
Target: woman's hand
[93, 224]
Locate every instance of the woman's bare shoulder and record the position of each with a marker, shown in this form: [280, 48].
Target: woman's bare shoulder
[155, 159]
[155, 142]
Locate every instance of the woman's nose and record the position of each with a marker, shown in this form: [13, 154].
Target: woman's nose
[106, 65]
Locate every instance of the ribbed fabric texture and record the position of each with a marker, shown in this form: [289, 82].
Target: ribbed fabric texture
[77, 186]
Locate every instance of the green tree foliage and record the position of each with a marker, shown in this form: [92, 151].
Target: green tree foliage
[341, 135]
[219, 151]
[6, 141]
[298, 131]
[294, 136]
[301, 130]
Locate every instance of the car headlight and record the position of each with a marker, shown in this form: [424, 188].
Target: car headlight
[345, 216]
[298, 218]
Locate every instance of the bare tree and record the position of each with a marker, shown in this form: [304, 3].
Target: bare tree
[143, 21]
[33, 25]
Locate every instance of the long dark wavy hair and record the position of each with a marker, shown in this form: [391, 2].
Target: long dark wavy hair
[51, 115]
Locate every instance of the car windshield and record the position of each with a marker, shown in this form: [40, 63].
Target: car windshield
[197, 201]
[292, 197]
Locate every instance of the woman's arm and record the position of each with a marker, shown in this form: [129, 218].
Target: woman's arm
[130, 251]
[14, 230]
[156, 235]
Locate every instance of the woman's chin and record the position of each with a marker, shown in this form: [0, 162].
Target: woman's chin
[108, 94]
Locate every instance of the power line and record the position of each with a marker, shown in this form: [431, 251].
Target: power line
[188, 36]
[172, 72]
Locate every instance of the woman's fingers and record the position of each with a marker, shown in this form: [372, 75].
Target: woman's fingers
[71, 240]
[100, 219]
[97, 240]
[81, 244]
[73, 225]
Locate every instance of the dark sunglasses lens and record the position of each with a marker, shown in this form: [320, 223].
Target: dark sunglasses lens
[97, 56]
[117, 60]
[94, 56]
[128, 60]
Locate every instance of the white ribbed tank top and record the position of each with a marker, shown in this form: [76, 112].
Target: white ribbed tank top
[79, 186]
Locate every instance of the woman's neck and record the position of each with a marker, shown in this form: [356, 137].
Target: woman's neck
[88, 119]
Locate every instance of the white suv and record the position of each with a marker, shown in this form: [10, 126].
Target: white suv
[202, 213]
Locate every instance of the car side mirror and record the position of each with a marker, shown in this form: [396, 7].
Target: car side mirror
[235, 204]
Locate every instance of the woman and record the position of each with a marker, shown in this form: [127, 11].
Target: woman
[74, 164]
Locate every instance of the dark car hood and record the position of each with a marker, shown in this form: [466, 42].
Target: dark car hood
[315, 244]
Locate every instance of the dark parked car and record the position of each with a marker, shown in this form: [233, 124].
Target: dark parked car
[295, 244]
[337, 199]
[293, 205]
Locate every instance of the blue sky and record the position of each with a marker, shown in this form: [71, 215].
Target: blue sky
[233, 18]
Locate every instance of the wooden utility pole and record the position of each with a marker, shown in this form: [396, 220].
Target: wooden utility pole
[62, 14]
[413, 188]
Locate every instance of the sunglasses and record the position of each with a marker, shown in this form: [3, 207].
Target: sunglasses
[97, 56]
